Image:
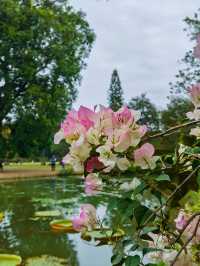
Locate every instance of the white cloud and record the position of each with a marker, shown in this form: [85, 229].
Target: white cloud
[143, 39]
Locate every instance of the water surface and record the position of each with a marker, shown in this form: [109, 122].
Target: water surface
[21, 233]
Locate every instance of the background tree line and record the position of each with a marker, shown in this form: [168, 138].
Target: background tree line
[154, 118]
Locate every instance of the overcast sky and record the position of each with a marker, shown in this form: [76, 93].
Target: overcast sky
[143, 39]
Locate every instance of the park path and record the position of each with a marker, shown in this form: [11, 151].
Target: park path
[18, 174]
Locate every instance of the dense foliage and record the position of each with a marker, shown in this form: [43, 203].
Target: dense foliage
[149, 112]
[43, 47]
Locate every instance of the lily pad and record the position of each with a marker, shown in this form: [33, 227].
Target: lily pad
[105, 235]
[1, 216]
[10, 260]
[62, 226]
[52, 213]
[46, 260]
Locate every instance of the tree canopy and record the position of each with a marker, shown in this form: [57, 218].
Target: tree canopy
[149, 112]
[175, 113]
[43, 48]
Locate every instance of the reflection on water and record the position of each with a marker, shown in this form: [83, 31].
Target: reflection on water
[21, 233]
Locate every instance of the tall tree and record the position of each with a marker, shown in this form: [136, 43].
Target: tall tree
[175, 112]
[190, 73]
[43, 47]
[149, 112]
[115, 93]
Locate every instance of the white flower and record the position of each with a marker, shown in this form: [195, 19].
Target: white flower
[80, 150]
[75, 163]
[123, 164]
[107, 157]
[93, 136]
[195, 132]
[127, 186]
[194, 115]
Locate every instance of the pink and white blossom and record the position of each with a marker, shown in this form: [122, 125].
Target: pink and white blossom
[181, 220]
[92, 184]
[87, 218]
[195, 115]
[194, 92]
[104, 136]
[144, 156]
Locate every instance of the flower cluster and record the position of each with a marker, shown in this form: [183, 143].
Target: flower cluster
[194, 92]
[104, 140]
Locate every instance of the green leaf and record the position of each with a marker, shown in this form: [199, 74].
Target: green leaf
[147, 230]
[105, 234]
[132, 261]
[116, 259]
[198, 178]
[163, 177]
[52, 213]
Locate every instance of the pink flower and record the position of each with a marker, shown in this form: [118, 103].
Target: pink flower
[94, 164]
[92, 184]
[123, 140]
[76, 124]
[144, 156]
[86, 117]
[181, 220]
[80, 221]
[71, 127]
[195, 94]
[86, 219]
[123, 116]
[104, 119]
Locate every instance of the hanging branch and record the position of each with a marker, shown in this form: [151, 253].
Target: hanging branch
[171, 130]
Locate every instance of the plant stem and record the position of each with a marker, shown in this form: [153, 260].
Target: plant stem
[171, 130]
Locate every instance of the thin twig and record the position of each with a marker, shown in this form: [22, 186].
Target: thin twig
[186, 243]
[171, 130]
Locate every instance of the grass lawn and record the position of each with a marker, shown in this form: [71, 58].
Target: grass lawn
[29, 166]
[27, 170]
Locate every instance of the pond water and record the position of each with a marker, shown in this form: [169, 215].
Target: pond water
[23, 234]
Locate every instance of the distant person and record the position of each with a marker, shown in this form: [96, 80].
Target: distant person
[53, 163]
